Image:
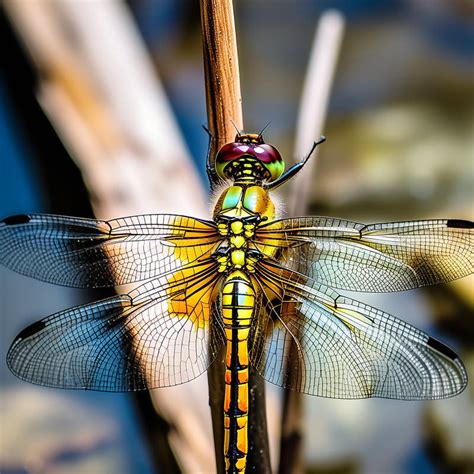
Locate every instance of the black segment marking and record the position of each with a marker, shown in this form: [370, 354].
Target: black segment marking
[460, 224]
[31, 330]
[18, 219]
[440, 347]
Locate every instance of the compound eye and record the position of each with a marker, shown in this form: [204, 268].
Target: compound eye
[270, 157]
[267, 153]
[228, 153]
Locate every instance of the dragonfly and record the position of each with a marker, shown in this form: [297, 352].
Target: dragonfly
[249, 284]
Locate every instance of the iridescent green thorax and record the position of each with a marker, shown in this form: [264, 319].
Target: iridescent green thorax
[244, 200]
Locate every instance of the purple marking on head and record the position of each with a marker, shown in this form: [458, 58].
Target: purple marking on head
[250, 145]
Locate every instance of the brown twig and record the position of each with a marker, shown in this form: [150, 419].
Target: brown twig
[221, 69]
[312, 114]
[224, 107]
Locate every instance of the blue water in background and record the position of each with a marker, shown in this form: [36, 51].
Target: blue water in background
[19, 190]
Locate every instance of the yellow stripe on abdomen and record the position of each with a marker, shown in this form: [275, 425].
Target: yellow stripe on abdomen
[238, 303]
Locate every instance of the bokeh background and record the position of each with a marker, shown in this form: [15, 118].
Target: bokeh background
[400, 146]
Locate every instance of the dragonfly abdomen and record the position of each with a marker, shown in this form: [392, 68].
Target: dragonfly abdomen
[238, 305]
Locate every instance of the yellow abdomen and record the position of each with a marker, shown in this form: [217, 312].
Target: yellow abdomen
[238, 213]
[238, 305]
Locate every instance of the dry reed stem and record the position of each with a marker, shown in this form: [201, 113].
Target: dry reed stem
[221, 69]
[224, 107]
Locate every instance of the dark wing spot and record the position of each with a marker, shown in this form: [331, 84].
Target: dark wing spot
[460, 224]
[18, 219]
[440, 347]
[31, 330]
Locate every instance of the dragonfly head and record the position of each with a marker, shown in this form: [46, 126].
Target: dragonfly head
[249, 157]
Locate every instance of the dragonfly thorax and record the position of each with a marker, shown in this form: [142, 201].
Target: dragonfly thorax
[236, 251]
[244, 201]
[239, 211]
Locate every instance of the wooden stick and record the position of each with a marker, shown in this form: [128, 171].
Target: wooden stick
[224, 107]
[312, 115]
[221, 69]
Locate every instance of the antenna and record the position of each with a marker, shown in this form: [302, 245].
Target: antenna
[239, 133]
[263, 129]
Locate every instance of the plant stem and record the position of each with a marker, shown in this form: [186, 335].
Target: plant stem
[221, 69]
[224, 106]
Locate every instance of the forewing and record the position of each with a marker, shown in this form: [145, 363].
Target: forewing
[92, 253]
[155, 336]
[346, 349]
[379, 257]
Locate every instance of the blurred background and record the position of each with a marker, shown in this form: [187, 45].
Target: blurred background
[101, 111]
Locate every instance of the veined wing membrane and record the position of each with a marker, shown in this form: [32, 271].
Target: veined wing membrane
[346, 349]
[92, 253]
[379, 257]
[155, 336]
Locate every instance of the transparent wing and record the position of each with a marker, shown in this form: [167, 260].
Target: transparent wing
[155, 336]
[91, 253]
[346, 349]
[379, 257]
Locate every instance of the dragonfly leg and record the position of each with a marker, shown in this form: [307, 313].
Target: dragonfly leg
[214, 179]
[288, 174]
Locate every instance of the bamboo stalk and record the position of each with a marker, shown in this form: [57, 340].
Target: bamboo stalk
[224, 107]
[311, 118]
